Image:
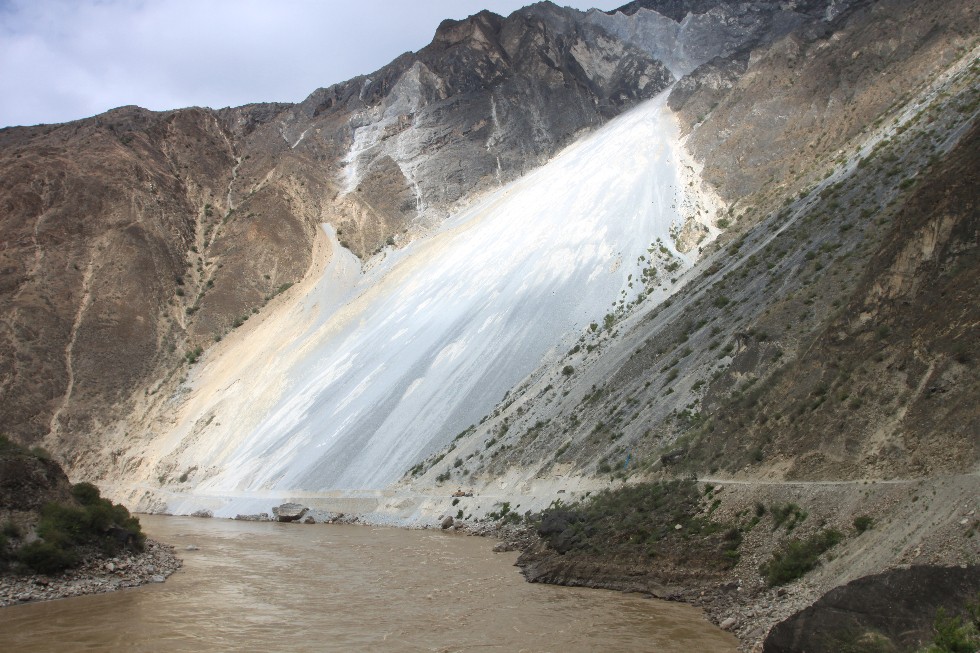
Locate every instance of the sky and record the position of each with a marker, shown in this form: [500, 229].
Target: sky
[61, 60]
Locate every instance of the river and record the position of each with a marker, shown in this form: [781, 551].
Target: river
[285, 587]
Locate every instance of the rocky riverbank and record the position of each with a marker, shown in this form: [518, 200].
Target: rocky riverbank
[885, 528]
[95, 576]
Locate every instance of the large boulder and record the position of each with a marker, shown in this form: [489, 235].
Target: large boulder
[289, 512]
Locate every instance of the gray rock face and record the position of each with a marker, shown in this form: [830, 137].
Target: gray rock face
[687, 33]
[697, 93]
[288, 512]
[487, 99]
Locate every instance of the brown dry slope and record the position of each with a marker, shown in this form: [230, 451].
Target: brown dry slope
[98, 217]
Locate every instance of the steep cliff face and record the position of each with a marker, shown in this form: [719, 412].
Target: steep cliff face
[685, 34]
[761, 118]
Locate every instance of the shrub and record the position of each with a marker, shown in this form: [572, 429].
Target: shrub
[193, 354]
[953, 635]
[568, 370]
[787, 513]
[863, 523]
[86, 493]
[65, 529]
[797, 557]
[639, 521]
[46, 558]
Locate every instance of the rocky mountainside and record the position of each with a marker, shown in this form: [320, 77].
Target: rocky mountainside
[561, 252]
[824, 308]
[134, 238]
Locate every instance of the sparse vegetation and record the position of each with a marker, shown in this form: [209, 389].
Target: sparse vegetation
[863, 523]
[641, 521]
[799, 556]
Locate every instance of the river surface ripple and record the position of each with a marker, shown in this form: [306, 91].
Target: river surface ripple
[286, 587]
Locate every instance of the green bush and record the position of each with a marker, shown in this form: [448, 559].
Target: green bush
[46, 557]
[64, 530]
[789, 514]
[797, 557]
[953, 634]
[863, 523]
[86, 493]
[639, 521]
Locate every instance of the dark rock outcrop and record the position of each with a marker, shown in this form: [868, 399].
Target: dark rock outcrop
[892, 611]
[27, 483]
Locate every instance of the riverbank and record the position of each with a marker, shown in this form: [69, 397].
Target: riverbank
[94, 576]
[883, 526]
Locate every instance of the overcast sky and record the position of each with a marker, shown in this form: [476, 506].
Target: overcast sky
[66, 59]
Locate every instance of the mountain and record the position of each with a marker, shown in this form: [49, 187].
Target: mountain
[546, 255]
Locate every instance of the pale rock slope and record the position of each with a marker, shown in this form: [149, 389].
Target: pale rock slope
[368, 372]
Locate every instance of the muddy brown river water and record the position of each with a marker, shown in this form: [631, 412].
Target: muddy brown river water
[283, 587]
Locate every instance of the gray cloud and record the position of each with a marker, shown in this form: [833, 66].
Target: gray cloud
[62, 60]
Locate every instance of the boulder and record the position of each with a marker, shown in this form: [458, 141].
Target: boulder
[289, 512]
[447, 522]
[262, 516]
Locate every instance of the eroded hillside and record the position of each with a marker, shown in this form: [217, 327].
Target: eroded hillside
[134, 240]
